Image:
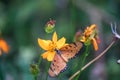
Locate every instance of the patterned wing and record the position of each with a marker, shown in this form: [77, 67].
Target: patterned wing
[62, 56]
[57, 65]
[70, 50]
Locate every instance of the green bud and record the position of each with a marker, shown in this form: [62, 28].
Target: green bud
[49, 28]
[34, 69]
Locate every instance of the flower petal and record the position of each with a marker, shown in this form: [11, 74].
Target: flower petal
[83, 39]
[45, 54]
[61, 43]
[95, 44]
[51, 55]
[54, 38]
[92, 27]
[44, 44]
[4, 46]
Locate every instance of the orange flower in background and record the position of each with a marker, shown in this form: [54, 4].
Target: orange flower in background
[50, 46]
[3, 46]
[90, 36]
[89, 30]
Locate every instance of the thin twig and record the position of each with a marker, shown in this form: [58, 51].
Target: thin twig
[92, 61]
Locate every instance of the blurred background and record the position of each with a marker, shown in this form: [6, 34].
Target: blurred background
[22, 22]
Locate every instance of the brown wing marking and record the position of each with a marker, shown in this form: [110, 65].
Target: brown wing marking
[59, 62]
[70, 50]
[57, 65]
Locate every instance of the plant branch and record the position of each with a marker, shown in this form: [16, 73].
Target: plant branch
[92, 61]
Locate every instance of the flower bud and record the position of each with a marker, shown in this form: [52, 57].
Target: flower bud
[49, 28]
[34, 69]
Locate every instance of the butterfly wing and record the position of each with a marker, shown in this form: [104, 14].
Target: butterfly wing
[57, 65]
[62, 56]
[70, 50]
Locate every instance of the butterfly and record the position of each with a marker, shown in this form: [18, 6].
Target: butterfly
[62, 56]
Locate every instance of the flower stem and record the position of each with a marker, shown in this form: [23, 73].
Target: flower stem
[48, 65]
[85, 54]
[35, 77]
[92, 61]
[39, 61]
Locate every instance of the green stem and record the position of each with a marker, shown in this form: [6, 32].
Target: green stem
[85, 54]
[48, 65]
[39, 61]
[35, 77]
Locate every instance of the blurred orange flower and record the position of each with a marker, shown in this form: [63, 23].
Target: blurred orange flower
[3, 46]
[90, 36]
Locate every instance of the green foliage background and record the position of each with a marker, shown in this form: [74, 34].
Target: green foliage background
[22, 22]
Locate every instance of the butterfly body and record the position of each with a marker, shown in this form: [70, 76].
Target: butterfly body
[62, 56]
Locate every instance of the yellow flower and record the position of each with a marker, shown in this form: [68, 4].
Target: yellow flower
[50, 46]
[3, 46]
[90, 36]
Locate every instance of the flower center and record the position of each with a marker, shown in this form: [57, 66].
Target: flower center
[52, 46]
